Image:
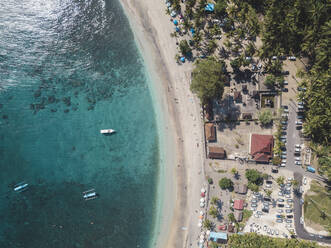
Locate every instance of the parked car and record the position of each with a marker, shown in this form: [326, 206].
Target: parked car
[288, 221]
[280, 200]
[304, 180]
[279, 216]
[284, 152]
[266, 210]
[289, 200]
[280, 205]
[280, 211]
[282, 165]
[280, 193]
[292, 58]
[283, 156]
[298, 123]
[301, 220]
[297, 150]
[298, 163]
[279, 220]
[268, 182]
[311, 169]
[297, 146]
[254, 205]
[274, 57]
[302, 201]
[285, 82]
[284, 127]
[289, 216]
[288, 196]
[300, 117]
[288, 206]
[288, 211]
[284, 123]
[297, 159]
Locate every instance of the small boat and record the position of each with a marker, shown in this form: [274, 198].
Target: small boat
[21, 187]
[89, 194]
[107, 131]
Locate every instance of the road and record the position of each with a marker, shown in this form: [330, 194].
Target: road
[293, 138]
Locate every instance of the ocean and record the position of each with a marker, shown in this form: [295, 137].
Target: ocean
[69, 68]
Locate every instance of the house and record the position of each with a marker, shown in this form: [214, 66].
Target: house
[237, 96]
[216, 152]
[238, 215]
[210, 132]
[240, 188]
[218, 237]
[238, 204]
[261, 147]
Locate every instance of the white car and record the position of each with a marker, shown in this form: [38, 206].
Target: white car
[283, 156]
[285, 82]
[288, 206]
[298, 163]
[282, 165]
[297, 159]
[292, 58]
[297, 150]
[290, 179]
[297, 146]
[284, 161]
[284, 152]
[288, 225]
[301, 220]
[276, 232]
[274, 57]
[304, 180]
[298, 123]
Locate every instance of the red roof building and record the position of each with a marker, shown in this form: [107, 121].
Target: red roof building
[261, 147]
[238, 204]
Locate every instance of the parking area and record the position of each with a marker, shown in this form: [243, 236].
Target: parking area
[273, 212]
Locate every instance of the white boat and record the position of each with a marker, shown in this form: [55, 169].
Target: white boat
[20, 187]
[89, 194]
[107, 131]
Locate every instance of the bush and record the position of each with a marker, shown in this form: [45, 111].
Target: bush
[213, 211]
[185, 48]
[254, 176]
[253, 187]
[210, 180]
[225, 183]
[265, 117]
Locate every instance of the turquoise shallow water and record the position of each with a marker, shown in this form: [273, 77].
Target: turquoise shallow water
[68, 69]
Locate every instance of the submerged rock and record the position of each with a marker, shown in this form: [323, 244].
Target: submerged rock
[66, 111]
[67, 100]
[1, 105]
[51, 99]
[5, 117]
[53, 110]
[37, 94]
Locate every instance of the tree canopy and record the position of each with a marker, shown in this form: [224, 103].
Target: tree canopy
[208, 80]
[225, 183]
[254, 176]
[265, 117]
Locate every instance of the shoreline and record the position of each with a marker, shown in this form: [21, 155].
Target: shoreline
[178, 111]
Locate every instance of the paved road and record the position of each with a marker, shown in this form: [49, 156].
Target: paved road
[299, 228]
[292, 139]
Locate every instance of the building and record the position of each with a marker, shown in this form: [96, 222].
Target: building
[218, 237]
[261, 147]
[210, 132]
[240, 188]
[238, 204]
[238, 215]
[216, 152]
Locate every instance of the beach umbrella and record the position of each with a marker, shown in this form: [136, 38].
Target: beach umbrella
[199, 224]
[182, 59]
[208, 232]
[177, 29]
[202, 213]
[203, 190]
[200, 217]
[168, 4]
[202, 200]
[202, 237]
[176, 22]
[201, 241]
[219, 227]
[203, 194]
[202, 204]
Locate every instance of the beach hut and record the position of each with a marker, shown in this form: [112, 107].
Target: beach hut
[210, 7]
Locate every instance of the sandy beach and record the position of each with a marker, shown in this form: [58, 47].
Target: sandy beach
[181, 112]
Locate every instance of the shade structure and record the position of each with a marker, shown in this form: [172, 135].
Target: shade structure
[202, 213]
[202, 204]
[203, 190]
[201, 241]
[203, 194]
[168, 4]
[182, 59]
[202, 199]
[200, 217]
[202, 237]
[208, 232]
[176, 22]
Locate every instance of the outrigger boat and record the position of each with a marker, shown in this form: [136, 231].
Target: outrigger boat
[89, 194]
[107, 131]
[21, 187]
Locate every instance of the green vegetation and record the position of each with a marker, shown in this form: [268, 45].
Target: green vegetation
[268, 193]
[221, 171]
[254, 176]
[210, 180]
[253, 240]
[208, 80]
[234, 171]
[213, 211]
[247, 214]
[276, 160]
[280, 180]
[265, 117]
[225, 183]
[214, 200]
[231, 217]
[208, 224]
[185, 48]
[317, 205]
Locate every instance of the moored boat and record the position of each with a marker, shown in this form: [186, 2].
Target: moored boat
[107, 131]
[21, 187]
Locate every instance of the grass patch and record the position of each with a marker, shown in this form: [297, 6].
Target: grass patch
[317, 206]
[246, 215]
[221, 171]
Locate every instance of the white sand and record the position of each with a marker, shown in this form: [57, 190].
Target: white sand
[183, 125]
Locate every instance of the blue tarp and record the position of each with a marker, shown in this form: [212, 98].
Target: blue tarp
[192, 31]
[176, 22]
[210, 7]
[214, 236]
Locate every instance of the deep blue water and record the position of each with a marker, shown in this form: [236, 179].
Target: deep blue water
[69, 68]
